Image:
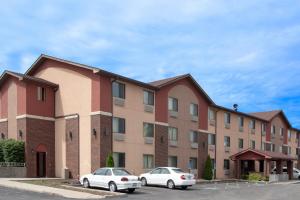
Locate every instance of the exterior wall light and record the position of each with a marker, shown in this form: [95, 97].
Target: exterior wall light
[70, 135]
[20, 134]
[94, 132]
[2, 136]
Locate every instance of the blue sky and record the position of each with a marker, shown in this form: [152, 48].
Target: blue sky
[244, 52]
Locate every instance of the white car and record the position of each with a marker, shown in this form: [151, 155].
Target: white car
[168, 176]
[296, 172]
[113, 179]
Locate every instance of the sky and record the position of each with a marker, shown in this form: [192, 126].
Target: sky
[244, 52]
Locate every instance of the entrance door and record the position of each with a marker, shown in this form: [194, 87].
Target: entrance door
[41, 164]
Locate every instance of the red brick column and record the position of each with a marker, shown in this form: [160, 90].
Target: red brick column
[72, 146]
[161, 145]
[290, 169]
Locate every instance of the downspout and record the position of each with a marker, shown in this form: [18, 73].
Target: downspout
[216, 125]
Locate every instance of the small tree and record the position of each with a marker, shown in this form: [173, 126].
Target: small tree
[14, 151]
[110, 161]
[1, 151]
[208, 170]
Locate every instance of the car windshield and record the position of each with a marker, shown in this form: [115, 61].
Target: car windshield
[177, 170]
[120, 172]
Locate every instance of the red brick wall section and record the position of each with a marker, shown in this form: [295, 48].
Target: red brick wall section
[72, 146]
[161, 145]
[95, 142]
[105, 138]
[37, 132]
[3, 129]
[202, 153]
[105, 94]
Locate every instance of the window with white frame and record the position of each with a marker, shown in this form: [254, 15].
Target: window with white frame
[118, 90]
[148, 161]
[173, 104]
[263, 128]
[227, 118]
[273, 146]
[281, 132]
[41, 94]
[193, 163]
[148, 129]
[118, 125]
[289, 150]
[194, 109]
[241, 143]
[273, 130]
[119, 159]
[289, 134]
[172, 161]
[148, 98]
[241, 121]
[211, 139]
[252, 144]
[226, 141]
[211, 114]
[173, 134]
[226, 164]
[193, 136]
[252, 124]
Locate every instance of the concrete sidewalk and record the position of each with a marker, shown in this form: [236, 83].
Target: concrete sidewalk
[49, 190]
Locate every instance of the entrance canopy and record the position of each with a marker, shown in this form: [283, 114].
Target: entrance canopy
[251, 154]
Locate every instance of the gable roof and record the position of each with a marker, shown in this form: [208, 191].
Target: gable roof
[269, 115]
[266, 154]
[26, 77]
[95, 70]
[164, 82]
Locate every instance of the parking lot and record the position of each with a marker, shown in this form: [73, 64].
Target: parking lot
[224, 191]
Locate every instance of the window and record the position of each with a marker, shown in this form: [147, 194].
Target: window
[164, 171]
[226, 141]
[252, 124]
[241, 121]
[173, 104]
[193, 163]
[148, 161]
[273, 130]
[289, 150]
[173, 134]
[118, 125]
[148, 130]
[252, 144]
[280, 149]
[263, 146]
[211, 114]
[211, 139]
[118, 90]
[194, 109]
[273, 147]
[41, 94]
[263, 128]
[281, 132]
[213, 163]
[227, 118]
[101, 171]
[148, 98]
[119, 159]
[226, 164]
[241, 143]
[172, 161]
[193, 136]
[289, 134]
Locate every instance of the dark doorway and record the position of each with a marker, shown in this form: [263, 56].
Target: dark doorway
[41, 164]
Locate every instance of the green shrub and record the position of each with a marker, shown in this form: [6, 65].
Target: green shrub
[257, 177]
[13, 151]
[110, 161]
[1, 150]
[208, 170]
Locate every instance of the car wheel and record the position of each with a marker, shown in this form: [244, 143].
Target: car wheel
[170, 184]
[86, 183]
[112, 187]
[299, 177]
[144, 181]
[184, 187]
[131, 190]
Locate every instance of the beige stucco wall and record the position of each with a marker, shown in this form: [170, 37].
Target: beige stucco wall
[134, 114]
[184, 124]
[12, 110]
[73, 96]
